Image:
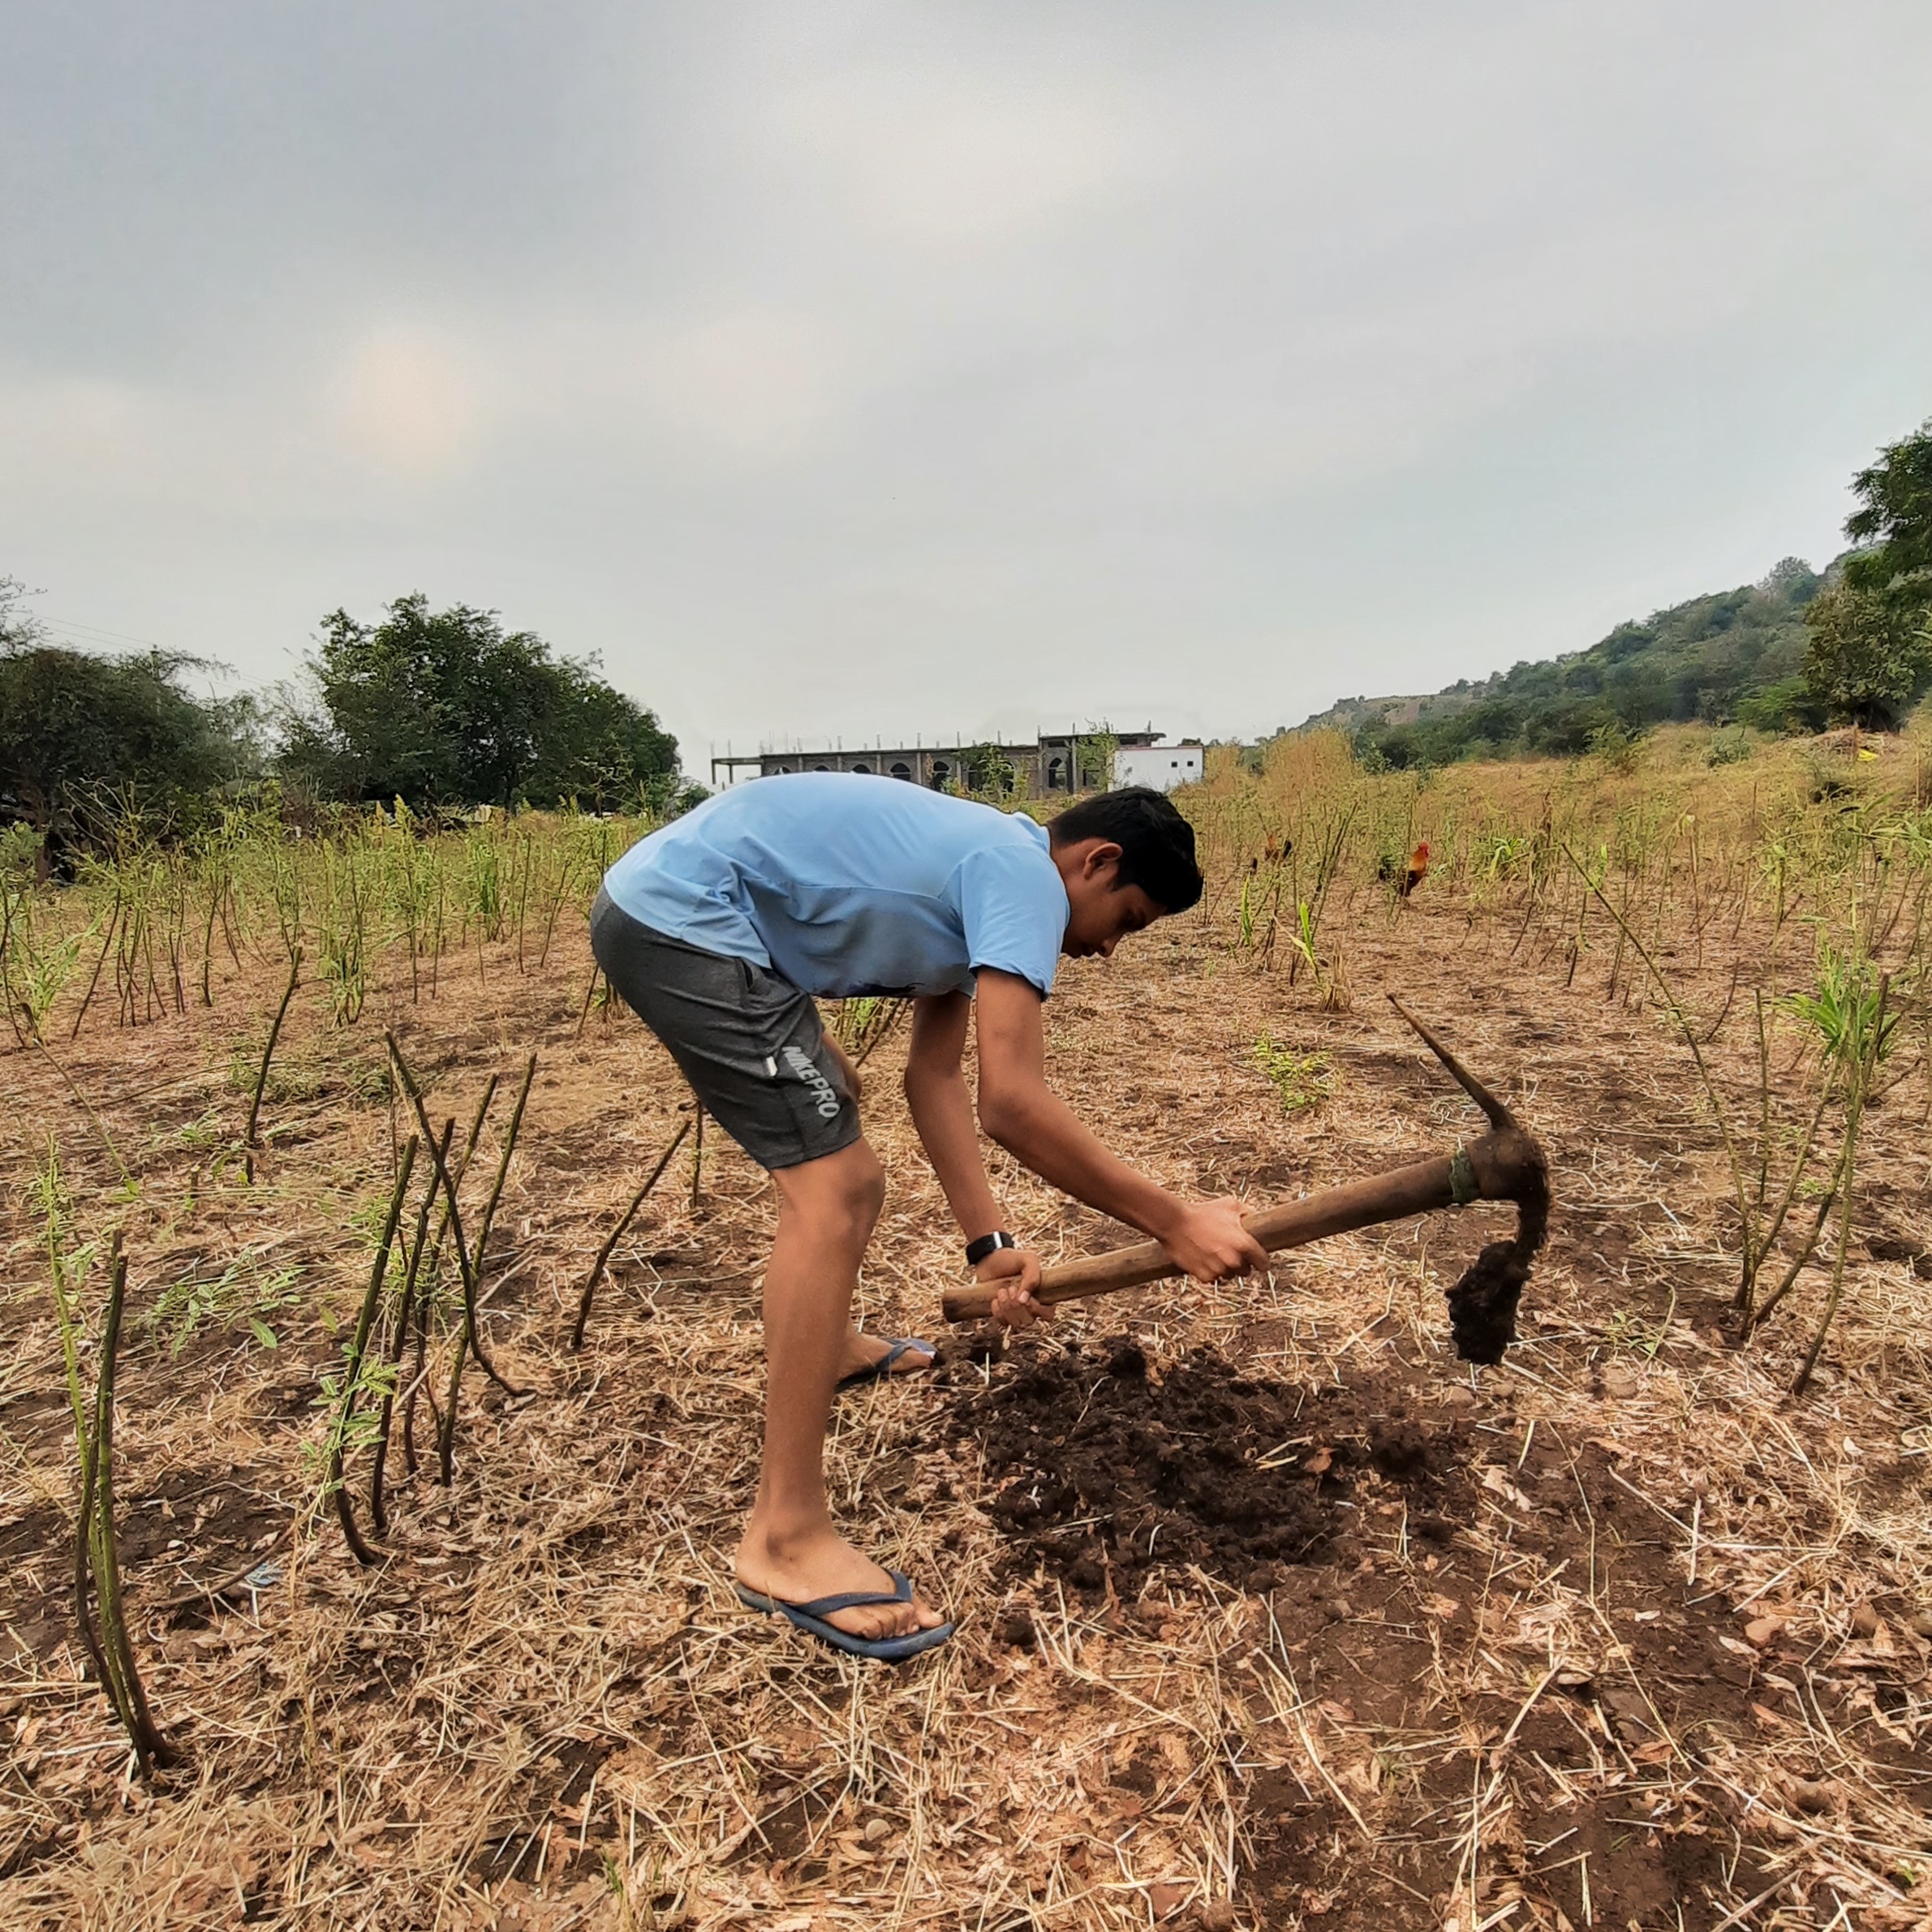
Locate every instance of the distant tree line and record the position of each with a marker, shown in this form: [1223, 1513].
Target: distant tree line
[439, 708]
[1870, 659]
[73, 723]
[436, 706]
[1797, 652]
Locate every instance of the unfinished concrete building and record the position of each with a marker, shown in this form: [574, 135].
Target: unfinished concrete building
[1053, 762]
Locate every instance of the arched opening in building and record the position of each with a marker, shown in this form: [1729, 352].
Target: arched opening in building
[903, 771]
[821, 768]
[941, 772]
[1056, 773]
[866, 768]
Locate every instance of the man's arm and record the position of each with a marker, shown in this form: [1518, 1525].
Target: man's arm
[1027, 1117]
[942, 1111]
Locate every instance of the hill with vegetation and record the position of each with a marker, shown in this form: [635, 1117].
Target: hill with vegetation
[1734, 656]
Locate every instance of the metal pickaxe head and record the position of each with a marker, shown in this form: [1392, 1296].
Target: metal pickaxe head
[1482, 1304]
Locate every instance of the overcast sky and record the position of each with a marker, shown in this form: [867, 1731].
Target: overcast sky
[897, 369]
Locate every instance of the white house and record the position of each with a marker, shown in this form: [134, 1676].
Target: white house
[1161, 766]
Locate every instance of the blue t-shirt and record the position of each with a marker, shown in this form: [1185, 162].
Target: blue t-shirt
[845, 884]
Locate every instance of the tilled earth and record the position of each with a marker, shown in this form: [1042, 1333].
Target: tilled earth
[1401, 1533]
[1111, 1469]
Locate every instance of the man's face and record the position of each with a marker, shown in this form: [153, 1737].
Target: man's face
[1103, 910]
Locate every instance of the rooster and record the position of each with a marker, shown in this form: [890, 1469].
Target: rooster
[1274, 851]
[1406, 882]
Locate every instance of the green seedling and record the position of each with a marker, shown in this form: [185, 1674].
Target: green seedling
[1302, 1080]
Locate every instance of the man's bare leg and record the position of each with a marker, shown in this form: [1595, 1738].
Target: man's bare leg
[863, 1352]
[790, 1551]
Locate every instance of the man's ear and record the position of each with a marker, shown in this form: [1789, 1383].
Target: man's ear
[1103, 858]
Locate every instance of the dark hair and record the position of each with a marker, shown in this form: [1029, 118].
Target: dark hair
[1157, 845]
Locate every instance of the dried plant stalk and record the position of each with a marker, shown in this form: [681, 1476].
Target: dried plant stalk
[96, 1558]
[617, 1234]
[479, 1257]
[397, 1341]
[1868, 1046]
[268, 1053]
[420, 1381]
[365, 1321]
[884, 1022]
[107, 940]
[465, 1261]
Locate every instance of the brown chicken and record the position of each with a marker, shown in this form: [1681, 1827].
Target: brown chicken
[1406, 882]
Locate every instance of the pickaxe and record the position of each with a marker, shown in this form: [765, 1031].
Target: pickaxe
[1504, 1164]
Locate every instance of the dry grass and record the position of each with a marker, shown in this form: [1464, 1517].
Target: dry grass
[547, 1710]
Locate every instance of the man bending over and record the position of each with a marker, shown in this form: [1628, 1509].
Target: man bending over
[721, 929]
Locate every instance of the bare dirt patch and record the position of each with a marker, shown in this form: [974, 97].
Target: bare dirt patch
[1390, 1544]
[1111, 1473]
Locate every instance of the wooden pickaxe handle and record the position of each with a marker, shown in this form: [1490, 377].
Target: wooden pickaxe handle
[1498, 1167]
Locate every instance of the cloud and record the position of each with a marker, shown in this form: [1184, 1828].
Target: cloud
[863, 366]
[77, 432]
[949, 156]
[409, 400]
[752, 383]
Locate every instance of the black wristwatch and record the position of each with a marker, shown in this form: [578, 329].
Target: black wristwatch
[988, 1244]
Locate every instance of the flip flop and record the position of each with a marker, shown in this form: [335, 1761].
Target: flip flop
[811, 1618]
[881, 1370]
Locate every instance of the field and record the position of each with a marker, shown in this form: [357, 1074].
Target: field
[1272, 1612]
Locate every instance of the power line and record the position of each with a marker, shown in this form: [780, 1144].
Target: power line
[69, 626]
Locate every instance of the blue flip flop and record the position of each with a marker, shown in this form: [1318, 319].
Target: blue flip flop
[881, 1370]
[811, 1618]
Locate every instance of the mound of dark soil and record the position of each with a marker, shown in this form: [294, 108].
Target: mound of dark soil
[1111, 1469]
[1482, 1304]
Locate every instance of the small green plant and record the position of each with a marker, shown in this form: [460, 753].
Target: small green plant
[855, 1017]
[1627, 1332]
[1849, 1008]
[1331, 982]
[341, 926]
[1618, 748]
[1495, 856]
[34, 970]
[1258, 915]
[243, 1295]
[1302, 1079]
[1844, 1009]
[485, 879]
[866, 1022]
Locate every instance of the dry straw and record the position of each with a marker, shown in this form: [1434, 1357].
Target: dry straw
[544, 1707]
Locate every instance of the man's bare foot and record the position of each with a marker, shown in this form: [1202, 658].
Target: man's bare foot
[866, 1352]
[803, 1569]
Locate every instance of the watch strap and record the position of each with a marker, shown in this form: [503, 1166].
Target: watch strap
[988, 1244]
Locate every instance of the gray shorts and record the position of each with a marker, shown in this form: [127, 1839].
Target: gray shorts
[750, 1043]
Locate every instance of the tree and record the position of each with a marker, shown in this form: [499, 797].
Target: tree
[1098, 748]
[442, 707]
[1894, 520]
[1870, 655]
[989, 771]
[75, 726]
